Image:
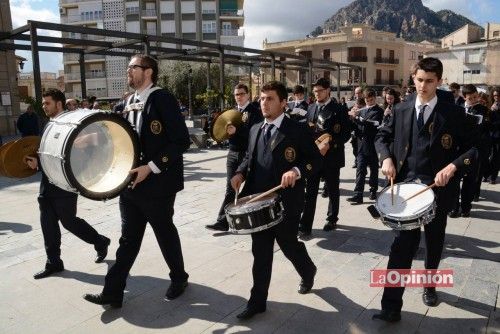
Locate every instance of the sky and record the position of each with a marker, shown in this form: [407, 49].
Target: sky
[295, 21]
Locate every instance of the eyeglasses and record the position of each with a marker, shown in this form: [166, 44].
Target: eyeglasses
[133, 67]
[239, 94]
[317, 91]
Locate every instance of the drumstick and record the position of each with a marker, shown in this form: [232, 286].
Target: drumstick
[264, 194]
[419, 192]
[392, 191]
[236, 196]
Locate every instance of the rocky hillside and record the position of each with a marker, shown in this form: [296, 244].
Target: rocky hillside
[409, 19]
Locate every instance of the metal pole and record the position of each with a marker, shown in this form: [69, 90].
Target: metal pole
[36, 62]
[309, 80]
[82, 75]
[145, 45]
[221, 79]
[250, 81]
[338, 83]
[208, 75]
[273, 68]
[190, 110]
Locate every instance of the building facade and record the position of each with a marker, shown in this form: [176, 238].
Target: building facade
[217, 21]
[384, 58]
[26, 83]
[9, 97]
[469, 58]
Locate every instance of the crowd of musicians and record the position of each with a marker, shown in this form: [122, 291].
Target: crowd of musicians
[427, 136]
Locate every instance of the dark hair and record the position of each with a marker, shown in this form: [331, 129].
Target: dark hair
[468, 89]
[361, 101]
[56, 95]
[241, 86]
[394, 93]
[278, 87]
[149, 62]
[429, 64]
[298, 90]
[369, 92]
[454, 86]
[386, 89]
[323, 82]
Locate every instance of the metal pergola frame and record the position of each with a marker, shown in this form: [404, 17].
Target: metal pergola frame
[133, 43]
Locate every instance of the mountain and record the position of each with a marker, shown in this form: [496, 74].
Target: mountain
[410, 20]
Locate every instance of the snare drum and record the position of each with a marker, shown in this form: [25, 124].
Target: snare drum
[408, 215]
[90, 152]
[257, 216]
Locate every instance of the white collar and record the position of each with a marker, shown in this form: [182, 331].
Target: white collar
[430, 105]
[143, 95]
[276, 122]
[243, 107]
[324, 104]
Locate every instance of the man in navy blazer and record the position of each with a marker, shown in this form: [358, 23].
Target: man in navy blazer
[280, 151]
[428, 140]
[164, 138]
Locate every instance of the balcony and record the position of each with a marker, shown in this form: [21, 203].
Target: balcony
[385, 82]
[231, 13]
[98, 92]
[88, 75]
[384, 60]
[69, 2]
[231, 32]
[357, 59]
[83, 18]
[148, 13]
[131, 10]
[76, 57]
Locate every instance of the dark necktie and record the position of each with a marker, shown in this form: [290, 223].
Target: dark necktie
[267, 132]
[136, 112]
[420, 119]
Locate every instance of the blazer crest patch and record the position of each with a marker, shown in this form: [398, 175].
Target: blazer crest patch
[290, 154]
[446, 141]
[155, 127]
[431, 127]
[336, 128]
[244, 117]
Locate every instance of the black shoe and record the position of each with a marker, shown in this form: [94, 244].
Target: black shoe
[466, 213]
[454, 214]
[218, 227]
[429, 297]
[476, 198]
[102, 250]
[493, 182]
[355, 199]
[373, 195]
[354, 166]
[306, 284]
[49, 270]
[329, 226]
[175, 290]
[101, 299]
[389, 316]
[304, 235]
[249, 312]
[324, 194]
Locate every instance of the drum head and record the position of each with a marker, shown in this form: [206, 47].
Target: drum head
[404, 210]
[243, 207]
[100, 154]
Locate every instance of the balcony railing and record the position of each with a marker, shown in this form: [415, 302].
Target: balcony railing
[231, 12]
[383, 60]
[131, 10]
[97, 92]
[76, 57]
[231, 32]
[148, 13]
[357, 59]
[82, 18]
[64, 2]
[88, 75]
[385, 82]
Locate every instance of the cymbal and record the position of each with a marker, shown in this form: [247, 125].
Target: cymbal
[12, 158]
[325, 137]
[3, 149]
[229, 117]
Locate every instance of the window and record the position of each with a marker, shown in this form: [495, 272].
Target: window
[496, 33]
[326, 54]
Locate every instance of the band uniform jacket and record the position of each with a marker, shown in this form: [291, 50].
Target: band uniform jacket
[251, 115]
[338, 126]
[452, 141]
[163, 139]
[366, 130]
[291, 146]
[478, 117]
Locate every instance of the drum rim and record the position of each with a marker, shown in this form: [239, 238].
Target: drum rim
[258, 205]
[407, 218]
[106, 116]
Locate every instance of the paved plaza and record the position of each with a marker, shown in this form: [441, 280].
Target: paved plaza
[219, 266]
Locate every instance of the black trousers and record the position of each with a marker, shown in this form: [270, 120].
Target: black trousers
[135, 213]
[332, 182]
[495, 159]
[53, 210]
[467, 190]
[363, 162]
[285, 234]
[234, 159]
[403, 249]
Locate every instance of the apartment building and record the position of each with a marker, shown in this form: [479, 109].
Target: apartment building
[469, 57]
[26, 82]
[384, 58]
[216, 21]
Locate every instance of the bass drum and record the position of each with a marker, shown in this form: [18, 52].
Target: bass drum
[90, 152]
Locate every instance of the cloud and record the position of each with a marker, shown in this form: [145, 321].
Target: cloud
[36, 10]
[279, 20]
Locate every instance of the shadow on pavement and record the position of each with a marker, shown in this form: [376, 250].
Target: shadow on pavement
[14, 227]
